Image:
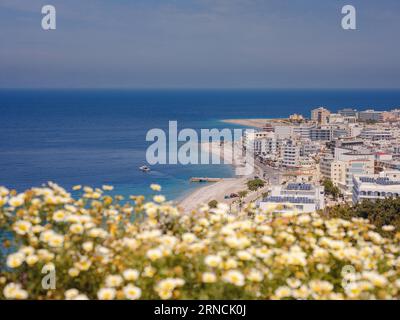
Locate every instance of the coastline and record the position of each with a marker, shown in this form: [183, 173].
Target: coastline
[254, 123]
[218, 190]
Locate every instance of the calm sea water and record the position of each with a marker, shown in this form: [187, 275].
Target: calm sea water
[96, 137]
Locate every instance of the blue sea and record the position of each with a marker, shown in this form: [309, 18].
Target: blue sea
[96, 137]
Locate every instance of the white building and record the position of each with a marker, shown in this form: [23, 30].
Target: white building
[284, 132]
[336, 118]
[299, 197]
[355, 167]
[325, 165]
[294, 132]
[348, 112]
[252, 140]
[321, 134]
[376, 134]
[345, 154]
[341, 168]
[320, 115]
[354, 130]
[290, 153]
[271, 147]
[309, 147]
[376, 186]
[370, 115]
[302, 131]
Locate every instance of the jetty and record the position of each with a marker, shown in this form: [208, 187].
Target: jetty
[205, 179]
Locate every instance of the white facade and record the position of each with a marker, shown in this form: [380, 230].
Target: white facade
[336, 118]
[354, 130]
[252, 140]
[290, 153]
[284, 132]
[376, 186]
[376, 134]
[320, 115]
[355, 167]
[302, 132]
[299, 197]
[271, 147]
[325, 165]
[346, 163]
[343, 154]
[370, 115]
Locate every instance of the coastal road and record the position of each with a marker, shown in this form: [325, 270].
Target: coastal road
[215, 191]
[272, 175]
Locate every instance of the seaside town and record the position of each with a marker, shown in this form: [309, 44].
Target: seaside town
[329, 159]
[308, 164]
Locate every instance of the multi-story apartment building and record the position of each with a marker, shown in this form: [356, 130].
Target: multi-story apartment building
[325, 164]
[321, 134]
[370, 115]
[339, 131]
[341, 167]
[348, 112]
[338, 172]
[252, 140]
[355, 167]
[320, 115]
[336, 118]
[290, 153]
[302, 131]
[271, 147]
[354, 130]
[308, 147]
[376, 186]
[332, 169]
[376, 134]
[299, 197]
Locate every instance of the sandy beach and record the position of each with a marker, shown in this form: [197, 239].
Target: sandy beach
[218, 191]
[254, 123]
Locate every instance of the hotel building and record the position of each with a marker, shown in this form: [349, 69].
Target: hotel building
[376, 186]
[299, 197]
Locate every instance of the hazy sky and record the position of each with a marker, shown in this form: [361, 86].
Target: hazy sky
[200, 43]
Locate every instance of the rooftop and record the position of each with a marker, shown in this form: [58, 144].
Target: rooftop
[289, 200]
[299, 186]
[381, 180]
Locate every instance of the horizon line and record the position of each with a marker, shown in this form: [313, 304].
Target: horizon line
[201, 88]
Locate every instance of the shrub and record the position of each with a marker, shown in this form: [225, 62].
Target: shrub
[331, 189]
[255, 184]
[104, 247]
[213, 204]
[381, 213]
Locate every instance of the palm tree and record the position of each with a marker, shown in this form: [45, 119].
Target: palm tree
[242, 194]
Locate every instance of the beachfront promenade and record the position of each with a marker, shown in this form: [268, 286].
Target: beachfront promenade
[224, 187]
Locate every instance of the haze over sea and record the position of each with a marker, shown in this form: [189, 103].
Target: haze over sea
[96, 137]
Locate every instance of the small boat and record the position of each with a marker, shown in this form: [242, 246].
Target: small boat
[144, 168]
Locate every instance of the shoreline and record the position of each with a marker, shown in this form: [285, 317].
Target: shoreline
[218, 190]
[254, 123]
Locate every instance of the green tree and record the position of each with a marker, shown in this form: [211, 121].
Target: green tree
[331, 189]
[255, 184]
[380, 213]
[242, 194]
[213, 204]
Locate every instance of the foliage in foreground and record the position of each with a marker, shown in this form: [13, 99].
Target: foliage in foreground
[330, 188]
[380, 213]
[104, 248]
[255, 184]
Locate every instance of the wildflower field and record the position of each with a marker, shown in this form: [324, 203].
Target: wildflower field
[104, 247]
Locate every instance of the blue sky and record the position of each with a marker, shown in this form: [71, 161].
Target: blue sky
[199, 44]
